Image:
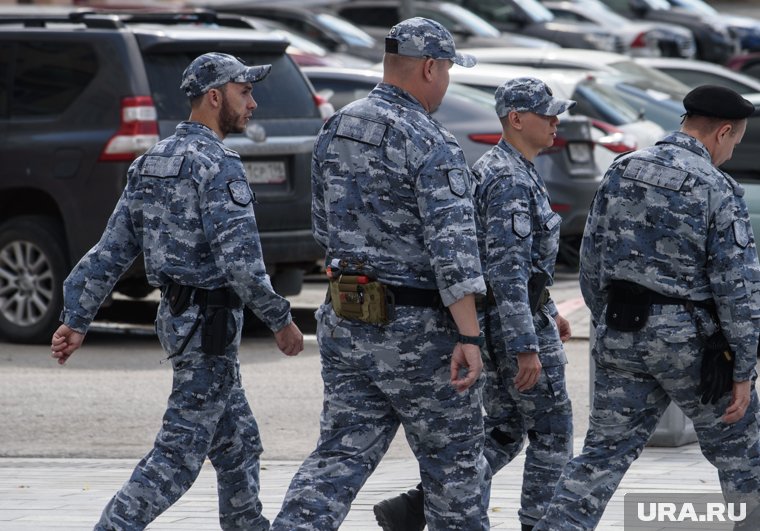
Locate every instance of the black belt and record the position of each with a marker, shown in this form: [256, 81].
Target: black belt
[404, 296]
[630, 290]
[219, 297]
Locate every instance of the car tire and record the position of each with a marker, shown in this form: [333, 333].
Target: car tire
[32, 270]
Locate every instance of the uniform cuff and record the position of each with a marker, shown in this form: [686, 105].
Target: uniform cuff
[459, 291]
[76, 322]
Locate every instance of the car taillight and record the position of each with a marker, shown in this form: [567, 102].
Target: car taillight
[485, 138]
[614, 139]
[640, 41]
[326, 108]
[559, 144]
[138, 130]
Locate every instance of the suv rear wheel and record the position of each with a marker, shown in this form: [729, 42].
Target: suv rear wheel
[32, 270]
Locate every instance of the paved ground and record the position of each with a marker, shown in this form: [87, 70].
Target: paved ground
[68, 494]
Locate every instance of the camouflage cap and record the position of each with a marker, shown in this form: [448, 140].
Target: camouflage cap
[528, 94]
[422, 37]
[214, 69]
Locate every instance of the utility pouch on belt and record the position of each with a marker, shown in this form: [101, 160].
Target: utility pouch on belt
[214, 332]
[628, 306]
[178, 297]
[359, 298]
[537, 292]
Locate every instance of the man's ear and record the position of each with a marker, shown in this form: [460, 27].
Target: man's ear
[214, 97]
[724, 131]
[428, 67]
[515, 119]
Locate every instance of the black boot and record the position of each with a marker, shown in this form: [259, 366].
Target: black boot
[402, 513]
[526, 527]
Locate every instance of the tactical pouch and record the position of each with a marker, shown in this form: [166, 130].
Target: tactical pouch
[178, 297]
[214, 332]
[628, 306]
[358, 298]
[537, 292]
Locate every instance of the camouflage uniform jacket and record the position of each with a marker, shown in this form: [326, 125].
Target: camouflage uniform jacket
[667, 219]
[392, 195]
[518, 235]
[188, 207]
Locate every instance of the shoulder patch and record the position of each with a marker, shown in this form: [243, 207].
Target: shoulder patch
[361, 129]
[157, 166]
[741, 234]
[230, 152]
[457, 182]
[240, 192]
[552, 221]
[521, 224]
[655, 174]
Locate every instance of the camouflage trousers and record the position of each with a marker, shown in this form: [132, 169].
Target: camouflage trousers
[375, 378]
[637, 376]
[543, 414]
[207, 415]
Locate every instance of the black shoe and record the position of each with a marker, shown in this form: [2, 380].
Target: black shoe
[402, 513]
[526, 527]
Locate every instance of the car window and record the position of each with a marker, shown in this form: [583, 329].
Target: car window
[535, 11]
[350, 33]
[693, 78]
[561, 14]
[49, 76]
[283, 94]
[375, 16]
[602, 102]
[458, 15]
[650, 78]
[344, 90]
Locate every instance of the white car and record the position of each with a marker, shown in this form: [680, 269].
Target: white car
[693, 73]
[618, 126]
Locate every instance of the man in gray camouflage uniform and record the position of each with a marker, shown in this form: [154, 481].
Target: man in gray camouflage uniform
[392, 201]
[668, 258]
[525, 391]
[188, 207]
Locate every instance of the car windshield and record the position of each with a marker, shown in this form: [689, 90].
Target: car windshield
[695, 5]
[600, 101]
[350, 33]
[650, 78]
[474, 95]
[470, 20]
[657, 5]
[535, 11]
[283, 94]
[602, 15]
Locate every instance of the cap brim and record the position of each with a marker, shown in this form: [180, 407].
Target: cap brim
[556, 106]
[464, 59]
[252, 74]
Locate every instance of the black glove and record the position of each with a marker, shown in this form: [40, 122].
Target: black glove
[717, 371]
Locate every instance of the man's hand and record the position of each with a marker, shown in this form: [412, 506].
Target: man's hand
[740, 397]
[528, 370]
[289, 339]
[563, 325]
[465, 357]
[65, 341]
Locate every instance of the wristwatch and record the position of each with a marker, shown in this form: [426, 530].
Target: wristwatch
[472, 340]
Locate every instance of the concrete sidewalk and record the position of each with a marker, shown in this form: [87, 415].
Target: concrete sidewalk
[68, 494]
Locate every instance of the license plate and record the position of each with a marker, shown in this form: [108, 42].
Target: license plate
[265, 172]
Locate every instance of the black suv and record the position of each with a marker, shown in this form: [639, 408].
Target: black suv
[81, 95]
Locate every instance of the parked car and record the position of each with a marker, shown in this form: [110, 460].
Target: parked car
[694, 73]
[376, 17]
[313, 19]
[746, 63]
[746, 29]
[715, 43]
[568, 167]
[529, 17]
[644, 39]
[84, 94]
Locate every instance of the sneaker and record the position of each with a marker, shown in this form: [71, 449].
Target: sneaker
[402, 513]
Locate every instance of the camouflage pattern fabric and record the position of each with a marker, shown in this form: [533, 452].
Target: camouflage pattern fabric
[422, 37]
[523, 94]
[214, 69]
[188, 207]
[391, 197]
[666, 219]
[519, 236]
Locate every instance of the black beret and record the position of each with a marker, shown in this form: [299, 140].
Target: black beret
[717, 102]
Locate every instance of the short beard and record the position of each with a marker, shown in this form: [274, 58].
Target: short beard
[228, 121]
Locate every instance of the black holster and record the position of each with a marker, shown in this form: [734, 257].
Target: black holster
[627, 306]
[537, 292]
[214, 338]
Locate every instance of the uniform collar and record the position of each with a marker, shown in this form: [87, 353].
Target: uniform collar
[685, 141]
[514, 152]
[395, 94]
[196, 128]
